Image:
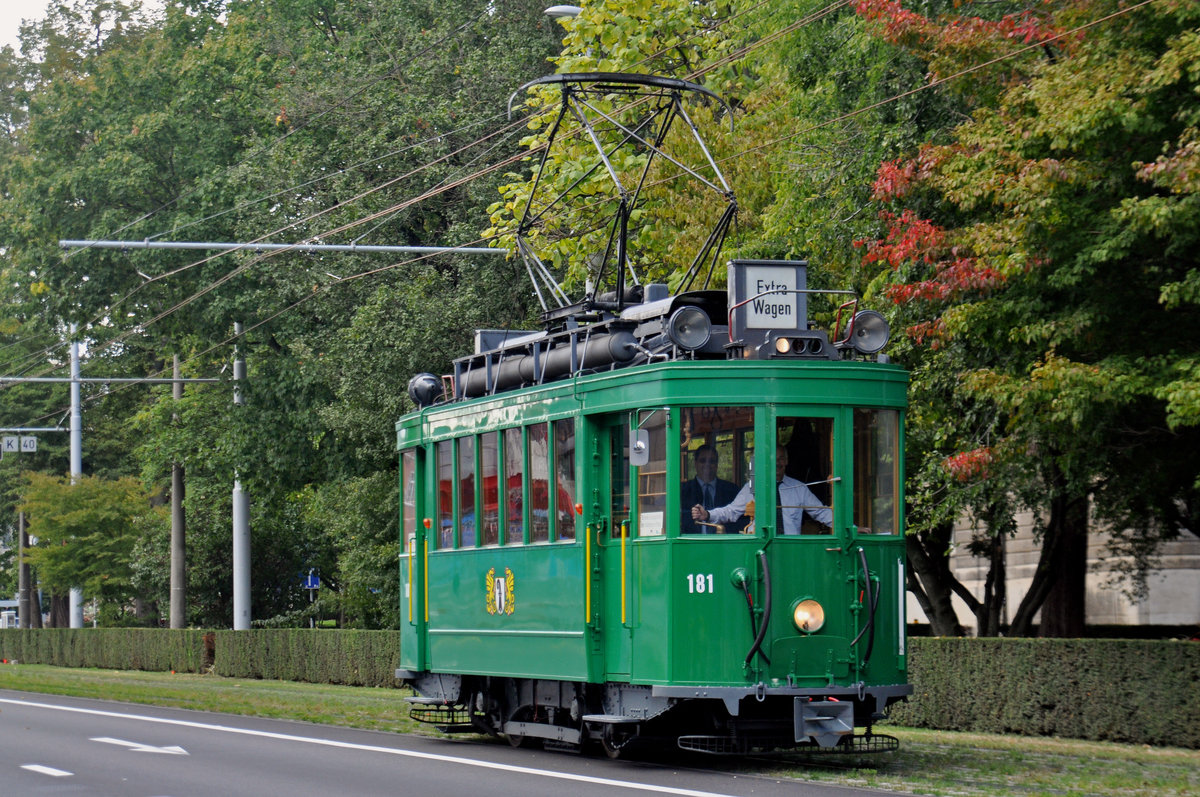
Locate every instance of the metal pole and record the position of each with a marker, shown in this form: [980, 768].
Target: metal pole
[76, 602]
[178, 528]
[23, 609]
[241, 516]
[265, 247]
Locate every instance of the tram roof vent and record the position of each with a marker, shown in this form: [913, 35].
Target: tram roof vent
[493, 339]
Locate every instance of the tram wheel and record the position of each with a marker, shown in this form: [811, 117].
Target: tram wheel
[521, 740]
[612, 743]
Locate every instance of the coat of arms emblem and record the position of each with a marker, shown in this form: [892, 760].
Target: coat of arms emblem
[499, 592]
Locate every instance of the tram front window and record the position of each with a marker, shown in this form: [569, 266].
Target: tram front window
[804, 475]
[716, 452]
[877, 471]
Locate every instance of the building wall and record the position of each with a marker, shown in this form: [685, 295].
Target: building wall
[1174, 586]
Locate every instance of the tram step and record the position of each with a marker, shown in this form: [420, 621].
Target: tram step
[611, 719]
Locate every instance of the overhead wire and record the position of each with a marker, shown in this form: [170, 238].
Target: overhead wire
[279, 139]
[526, 153]
[894, 98]
[390, 211]
[275, 141]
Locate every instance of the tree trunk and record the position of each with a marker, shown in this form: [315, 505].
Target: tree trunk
[1066, 514]
[930, 579]
[35, 609]
[60, 611]
[1063, 613]
[995, 591]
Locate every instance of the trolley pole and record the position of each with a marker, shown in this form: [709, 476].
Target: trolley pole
[241, 514]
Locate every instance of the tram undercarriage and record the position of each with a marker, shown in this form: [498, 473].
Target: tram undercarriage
[571, 716]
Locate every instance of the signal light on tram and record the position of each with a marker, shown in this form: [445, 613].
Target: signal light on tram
[798, 346]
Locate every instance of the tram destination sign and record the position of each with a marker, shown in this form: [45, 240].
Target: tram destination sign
[767, 295]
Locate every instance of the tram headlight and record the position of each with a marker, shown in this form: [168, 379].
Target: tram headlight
[808, 615]
[689, 328]
[869, 332]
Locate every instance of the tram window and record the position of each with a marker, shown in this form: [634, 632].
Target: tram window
[804, 468]
[408, 488]
[564, 478]
[444, 462]
[652, 477]
[489, 460]
[514, 487]
[466, 492]
[877, 471]
[539, 483]
[619, 476]
[714, 455]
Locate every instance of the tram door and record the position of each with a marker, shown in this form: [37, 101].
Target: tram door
[413, 619]
[612, 595]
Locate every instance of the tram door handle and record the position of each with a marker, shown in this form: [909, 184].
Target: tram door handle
[624, 570]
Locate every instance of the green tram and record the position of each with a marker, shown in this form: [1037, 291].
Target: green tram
[678, 522]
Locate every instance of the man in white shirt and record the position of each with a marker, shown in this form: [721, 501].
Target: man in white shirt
[794, 497]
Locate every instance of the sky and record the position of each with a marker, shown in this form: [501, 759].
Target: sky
[13, 11]
[11, 14]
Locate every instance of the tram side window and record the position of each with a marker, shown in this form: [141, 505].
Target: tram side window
[619, 475]
[803, 471]
[489, 461]
[539, 483]
[408, 493]
[444, 462]
[514, 487]
[877, 471]
[714, 459]
[652, 478]
[564, 479]
[466, 492]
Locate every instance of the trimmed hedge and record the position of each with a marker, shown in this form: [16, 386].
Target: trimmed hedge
[109, 648]
[1133, 691]
[355, 658]
[1142, 692]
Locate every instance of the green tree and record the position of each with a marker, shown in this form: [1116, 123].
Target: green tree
[1045, 290]
[86, 532]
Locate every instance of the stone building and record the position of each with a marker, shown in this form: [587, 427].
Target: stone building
[1172, 605]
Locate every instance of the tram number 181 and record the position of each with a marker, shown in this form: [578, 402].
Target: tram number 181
[700, 583]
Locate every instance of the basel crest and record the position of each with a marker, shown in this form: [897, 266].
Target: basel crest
[500, 592]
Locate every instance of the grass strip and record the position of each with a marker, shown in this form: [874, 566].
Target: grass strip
[928, 762]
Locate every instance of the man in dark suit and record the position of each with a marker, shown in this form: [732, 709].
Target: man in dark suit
[705, 490]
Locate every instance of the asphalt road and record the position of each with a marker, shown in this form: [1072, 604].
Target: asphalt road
[56, 745]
